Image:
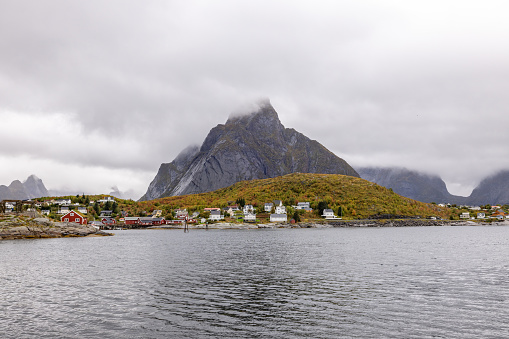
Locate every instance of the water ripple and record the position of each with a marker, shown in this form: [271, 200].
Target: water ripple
[442, 282]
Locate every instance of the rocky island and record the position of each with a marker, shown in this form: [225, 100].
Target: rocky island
[24, 227]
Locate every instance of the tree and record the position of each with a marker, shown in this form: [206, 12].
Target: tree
[115, 207]
[322, 205]
[296, 216]
[107, 206]
[241, 202]
[340, 211]
[96, 207]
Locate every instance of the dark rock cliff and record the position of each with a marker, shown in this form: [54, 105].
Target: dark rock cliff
[428, 188]
[492, 190]
[410, 184]
[247, 147]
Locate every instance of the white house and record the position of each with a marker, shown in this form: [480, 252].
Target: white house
[278, 218]
[278, 203]
[280, 209]
[302, 205]
[481, 215]
[105, 200]
[268, 207]
[329, 214]
[248, 209]
[63, 210]
[63, 202]
[249, 217]
[216, 215]
[465, 215]
[82, 210]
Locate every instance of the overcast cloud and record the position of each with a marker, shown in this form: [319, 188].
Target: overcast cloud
[97, 94]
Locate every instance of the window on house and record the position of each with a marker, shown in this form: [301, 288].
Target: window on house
[72, 214]
[66, 219]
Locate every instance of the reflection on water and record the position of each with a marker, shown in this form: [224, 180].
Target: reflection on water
[319, 283]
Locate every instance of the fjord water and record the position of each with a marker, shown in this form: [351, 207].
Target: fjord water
[411, 282]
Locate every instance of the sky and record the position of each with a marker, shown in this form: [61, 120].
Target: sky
[97, 94]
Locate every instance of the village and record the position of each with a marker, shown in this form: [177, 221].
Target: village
[104, 213]
[110, 217]
[273, 212]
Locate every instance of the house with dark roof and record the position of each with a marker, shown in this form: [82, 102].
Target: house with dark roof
[216, 215]
[108, 221]
[106, 213]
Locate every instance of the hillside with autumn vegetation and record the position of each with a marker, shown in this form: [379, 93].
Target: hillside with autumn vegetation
[357, 197]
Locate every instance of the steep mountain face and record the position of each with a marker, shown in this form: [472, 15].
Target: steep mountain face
[254, 146]
[33, 187]
[492, 190]
[17, 190]
[410, 184]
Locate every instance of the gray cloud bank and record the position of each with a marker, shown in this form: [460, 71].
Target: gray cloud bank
[119, 87]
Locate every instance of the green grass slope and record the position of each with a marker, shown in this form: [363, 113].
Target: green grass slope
[357, 197]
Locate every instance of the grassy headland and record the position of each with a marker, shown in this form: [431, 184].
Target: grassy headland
[357, 197]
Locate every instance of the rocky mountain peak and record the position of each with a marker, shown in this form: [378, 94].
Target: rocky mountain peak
[35, 187]
[260, 115]
[32, 178]
[251, 145]
[32, 187]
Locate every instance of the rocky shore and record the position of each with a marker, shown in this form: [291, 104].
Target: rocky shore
[413, 223]
[20, 227]
[341, 223]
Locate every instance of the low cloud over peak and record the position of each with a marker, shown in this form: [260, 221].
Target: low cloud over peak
[120, 87]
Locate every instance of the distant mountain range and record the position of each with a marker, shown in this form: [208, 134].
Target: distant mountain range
[492, 190]
[32, 187]
[410, 184]
[247, 147]
[431, 188]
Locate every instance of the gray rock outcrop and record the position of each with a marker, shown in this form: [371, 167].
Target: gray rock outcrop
[14, 227]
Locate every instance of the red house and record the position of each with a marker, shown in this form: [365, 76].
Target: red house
[132, 220]
[73, 216]
[108, 221]
[158, 221]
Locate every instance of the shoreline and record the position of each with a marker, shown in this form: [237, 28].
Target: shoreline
[341, 224]
[40, 228]
[15, 227]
